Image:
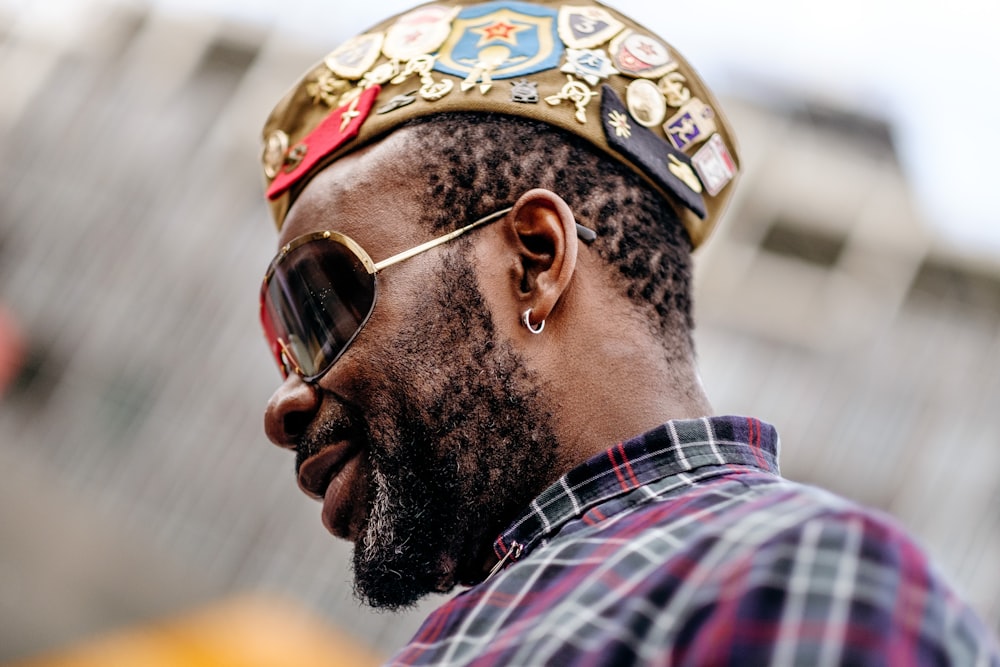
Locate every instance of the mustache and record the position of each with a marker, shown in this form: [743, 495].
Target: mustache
[339, 424]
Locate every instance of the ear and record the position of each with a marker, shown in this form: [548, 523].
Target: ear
[543, 232]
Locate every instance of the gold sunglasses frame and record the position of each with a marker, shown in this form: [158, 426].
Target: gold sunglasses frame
[288, 360]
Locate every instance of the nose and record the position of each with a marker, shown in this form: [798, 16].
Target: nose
[290, 411]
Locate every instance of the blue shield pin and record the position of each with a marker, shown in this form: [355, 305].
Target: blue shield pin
[503, 39]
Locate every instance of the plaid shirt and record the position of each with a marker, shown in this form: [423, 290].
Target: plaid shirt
[684, 547]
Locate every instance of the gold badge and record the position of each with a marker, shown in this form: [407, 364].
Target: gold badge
[275, 149]
[422, 66]
[351, 95]
[432, 90]
[380, 75]
[349, 114]
[482, 74]
[673, 88]
[576, 92]
[683, 171]
[327, 88]
[619, 121]
[646, 103]
[356, 56]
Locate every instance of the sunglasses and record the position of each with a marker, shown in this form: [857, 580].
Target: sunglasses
[320, 290]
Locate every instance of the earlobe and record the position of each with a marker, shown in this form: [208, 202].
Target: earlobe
[544, 233]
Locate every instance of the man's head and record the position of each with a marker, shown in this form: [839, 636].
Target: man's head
[446, 415]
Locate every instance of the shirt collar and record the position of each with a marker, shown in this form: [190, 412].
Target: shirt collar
[674, 448]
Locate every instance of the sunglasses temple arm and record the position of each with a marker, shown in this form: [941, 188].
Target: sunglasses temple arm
[585, 234]
[433, 243]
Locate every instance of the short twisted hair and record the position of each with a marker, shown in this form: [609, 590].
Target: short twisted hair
[476, 163]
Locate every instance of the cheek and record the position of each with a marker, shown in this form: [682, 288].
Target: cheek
[412, 311]
[428, 338]
[496, 276]
[402, 292]
[375, 349]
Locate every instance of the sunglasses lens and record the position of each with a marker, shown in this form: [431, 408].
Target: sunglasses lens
[317, 299]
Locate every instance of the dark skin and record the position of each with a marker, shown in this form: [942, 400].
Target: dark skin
[595, 376]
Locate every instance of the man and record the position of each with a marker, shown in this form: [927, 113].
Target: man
[481, 305]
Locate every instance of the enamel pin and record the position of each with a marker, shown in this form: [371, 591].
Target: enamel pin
[673, 88]
[356, 56]
[380, 75]
[327, 88]
[576, 92]
[587, 27]
[419, 32]
[295, 158]
[684, 172]
[398, 102]
[646, 103]
[618, 121]
[591, 65]
[422, 66]
[275, 150]
[524, 92]
[665, 165]
[693, 124]
[340, 127]
[715, 165]
[500, 40]
[640, 55]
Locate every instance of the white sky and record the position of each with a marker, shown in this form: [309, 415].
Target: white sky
[931, 68]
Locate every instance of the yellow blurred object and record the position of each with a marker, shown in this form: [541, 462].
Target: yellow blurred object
[253, 631]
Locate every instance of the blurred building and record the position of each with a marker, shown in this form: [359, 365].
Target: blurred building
[137, 481]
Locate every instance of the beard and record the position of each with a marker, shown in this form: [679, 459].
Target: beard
[459, 443]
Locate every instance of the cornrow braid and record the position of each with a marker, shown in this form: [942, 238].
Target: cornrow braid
[476, 163]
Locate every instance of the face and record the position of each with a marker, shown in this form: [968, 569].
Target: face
[430, 433]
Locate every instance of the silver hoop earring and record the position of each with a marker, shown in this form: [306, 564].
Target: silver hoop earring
[526, 321]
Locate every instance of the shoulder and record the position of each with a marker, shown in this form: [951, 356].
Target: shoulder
[811, 578]
[744, 570]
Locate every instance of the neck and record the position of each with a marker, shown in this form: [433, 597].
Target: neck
[613, 377]
[622, 393]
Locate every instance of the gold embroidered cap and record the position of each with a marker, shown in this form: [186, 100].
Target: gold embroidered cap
[581, 67]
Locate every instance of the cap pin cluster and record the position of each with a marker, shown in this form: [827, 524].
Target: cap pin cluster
[562, 63]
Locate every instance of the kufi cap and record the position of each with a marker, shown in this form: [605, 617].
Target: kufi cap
[581, 67]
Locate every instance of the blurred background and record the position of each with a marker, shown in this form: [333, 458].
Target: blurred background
[852, 298]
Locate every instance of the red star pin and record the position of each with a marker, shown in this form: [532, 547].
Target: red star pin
[648, 49]
[501, 30]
